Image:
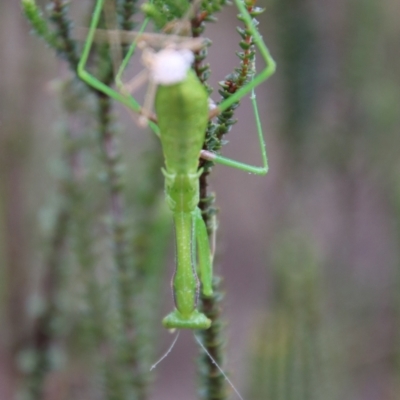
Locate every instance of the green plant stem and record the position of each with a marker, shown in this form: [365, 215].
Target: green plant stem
[127, 10]
[67, 47]
[43, 335]
[119, 236]
[212, 382]
[43, 332]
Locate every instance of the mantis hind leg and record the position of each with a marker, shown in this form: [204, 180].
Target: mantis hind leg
[129, 54]
[208, 155]
[265, 54]
[235, 97]
[91, 80]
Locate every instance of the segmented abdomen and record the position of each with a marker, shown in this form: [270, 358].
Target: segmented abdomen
[182, 113]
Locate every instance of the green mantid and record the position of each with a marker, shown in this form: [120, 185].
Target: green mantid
[182, 113]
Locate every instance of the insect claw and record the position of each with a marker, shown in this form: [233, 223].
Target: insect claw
[143, 121]
[207, 155]
[214, 112]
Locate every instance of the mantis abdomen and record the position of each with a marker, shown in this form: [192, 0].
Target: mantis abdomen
[182, 114]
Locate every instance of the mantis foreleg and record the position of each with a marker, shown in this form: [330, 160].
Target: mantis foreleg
[189, 229]
[203, 254]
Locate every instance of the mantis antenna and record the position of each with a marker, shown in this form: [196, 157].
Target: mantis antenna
[218, 367]
[165, 355]
[198, 340]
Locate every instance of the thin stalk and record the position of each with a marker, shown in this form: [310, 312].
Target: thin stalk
[212, 382]
[43, 335]
[119, 233]
[67, 46]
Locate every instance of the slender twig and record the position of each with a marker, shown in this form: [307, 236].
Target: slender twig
[127, 9]
[58, 15]
[119, 230]
[212, 382]
[42, 335]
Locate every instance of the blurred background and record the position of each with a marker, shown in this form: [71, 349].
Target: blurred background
[309, 254]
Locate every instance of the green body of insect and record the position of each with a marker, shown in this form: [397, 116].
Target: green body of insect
[182, 112]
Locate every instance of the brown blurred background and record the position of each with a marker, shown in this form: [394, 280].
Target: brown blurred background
[309, 254]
